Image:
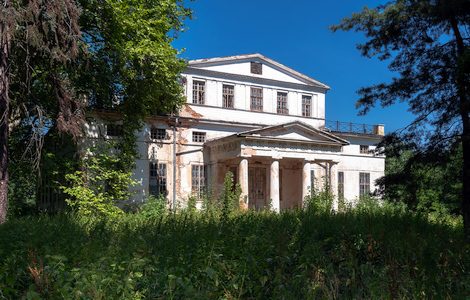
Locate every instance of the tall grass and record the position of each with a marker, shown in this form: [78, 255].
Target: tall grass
[366, 252]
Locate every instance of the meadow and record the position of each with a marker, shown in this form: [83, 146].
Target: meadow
[376, 252]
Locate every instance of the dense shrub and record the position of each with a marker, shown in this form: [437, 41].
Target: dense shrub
[311, 254]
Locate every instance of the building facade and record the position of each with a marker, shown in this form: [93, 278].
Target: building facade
[260, 120]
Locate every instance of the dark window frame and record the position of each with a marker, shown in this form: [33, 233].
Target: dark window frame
[157, 179]
[364, 149]
[114, 130]
[306, 106]
[341, 185]
[158, 134]
[198, 92]
[364, 184]
[199, 137]
[198, 180]
[282, 103]
[312, 181]
[228, 95]
[256, 99]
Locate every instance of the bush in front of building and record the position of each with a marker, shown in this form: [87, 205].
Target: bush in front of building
[100, 183]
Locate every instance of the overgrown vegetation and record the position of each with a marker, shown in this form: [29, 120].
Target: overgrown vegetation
[426, 185]
[369, 252]
[63, 57]
[100, 183]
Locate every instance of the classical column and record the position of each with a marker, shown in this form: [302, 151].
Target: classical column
[243, 180]
[333, 176]
[214, 178]
[306, 179]
[274, 184]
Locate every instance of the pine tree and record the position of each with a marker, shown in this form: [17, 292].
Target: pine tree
[429, 43]
[38, 39]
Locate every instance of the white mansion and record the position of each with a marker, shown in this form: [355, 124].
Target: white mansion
[262, 121]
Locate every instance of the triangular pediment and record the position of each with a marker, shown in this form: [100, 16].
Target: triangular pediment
[241, 65]
[294, 132]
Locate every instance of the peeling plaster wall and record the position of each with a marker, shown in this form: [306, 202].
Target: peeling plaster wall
[349, 160]
[291, 186]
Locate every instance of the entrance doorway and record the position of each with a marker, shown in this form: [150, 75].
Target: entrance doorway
[257, 188]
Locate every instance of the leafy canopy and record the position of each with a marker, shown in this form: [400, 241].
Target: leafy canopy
[116, 54]
[421, 39]
[428, 44]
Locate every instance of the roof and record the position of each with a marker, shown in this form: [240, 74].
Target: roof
[257, 56]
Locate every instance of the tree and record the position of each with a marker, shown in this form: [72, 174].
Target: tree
[116, 52]
[37, 40]
[131, 67]
[428, 41]
[431, 187]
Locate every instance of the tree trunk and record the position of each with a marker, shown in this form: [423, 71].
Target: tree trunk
[466, 179]
[5, 44]
[464, 107]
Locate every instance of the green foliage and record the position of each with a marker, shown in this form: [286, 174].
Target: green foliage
[192, 201]
[117, 53]
[428, 43]
[153, 206]
[303, 254]
[433, 187]
[368, 203]
[100, 184]
[131, 55]
[320, 198]
[230, 197]
[131, 67]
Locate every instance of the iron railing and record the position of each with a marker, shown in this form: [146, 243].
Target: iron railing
[350, 127]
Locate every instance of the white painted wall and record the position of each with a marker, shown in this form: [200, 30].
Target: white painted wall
[218, 122]
[242, 92]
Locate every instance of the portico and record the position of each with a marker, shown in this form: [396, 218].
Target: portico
[273, 165]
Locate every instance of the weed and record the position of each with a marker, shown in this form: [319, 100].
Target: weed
[357, 253]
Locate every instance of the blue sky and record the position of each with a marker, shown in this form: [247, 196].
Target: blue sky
[295, 34]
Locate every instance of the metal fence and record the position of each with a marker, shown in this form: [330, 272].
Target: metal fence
[349, 127]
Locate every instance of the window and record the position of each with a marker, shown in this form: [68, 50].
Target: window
[282, 104]
[158, 134]
[198, 180]
[312, 181]
[364, 149]
[256, 99]
[306, 106]
[227, 95]
[113, 130]
[198, 92]
[199, 137]
[340, 185]
[157, 184]
[364, 184]
[256, 68]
